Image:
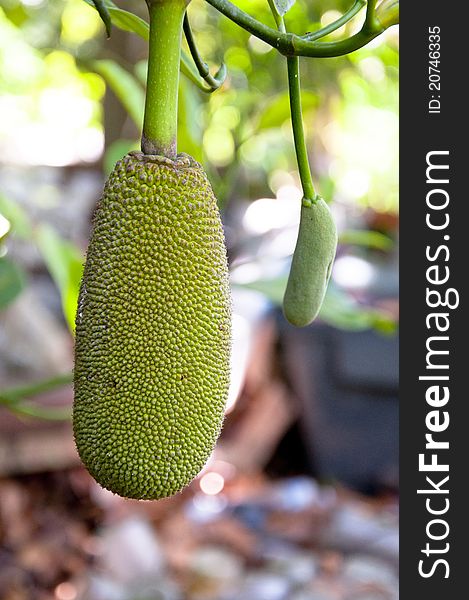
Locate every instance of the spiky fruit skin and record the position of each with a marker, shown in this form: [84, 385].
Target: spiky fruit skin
[153, 329]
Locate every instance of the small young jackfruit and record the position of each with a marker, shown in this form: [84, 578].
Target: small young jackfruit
[311, 264]
[153, 329]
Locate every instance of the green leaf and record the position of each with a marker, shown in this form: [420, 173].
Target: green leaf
[125, 86]
[272, 289]
[141, 71]
[343, 312]
[19, 220]
[277, 110]
[12, 281]
[338, 308]
[189, 130]
[123, 19]
[127, 21]
[116, 151]
[283, 6]
[370, 239]
[65, 264]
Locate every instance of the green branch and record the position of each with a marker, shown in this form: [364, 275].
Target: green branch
[214, 82]
[370, 21]
[345, 18]
[300, 47]
[293, 45]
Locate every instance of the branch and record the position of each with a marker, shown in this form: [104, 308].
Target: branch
[293, 45]
[345, 18]
[370, 21]
[215, 81]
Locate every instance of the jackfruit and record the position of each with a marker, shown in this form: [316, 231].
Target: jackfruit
[153, 329]
[311, 264]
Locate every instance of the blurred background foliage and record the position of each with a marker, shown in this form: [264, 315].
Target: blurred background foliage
[71, 98]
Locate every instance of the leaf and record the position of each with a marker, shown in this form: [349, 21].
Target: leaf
[19, 220]
[65, 264]
[338, 308]
[125, 86]
[272, 289]
[12, 281]
[127, 21]
[277, 110]
[123, 19]
[141, 71]
[342, 311]
[371, 239]
[116, 151]
[283, 6]
[189, 130]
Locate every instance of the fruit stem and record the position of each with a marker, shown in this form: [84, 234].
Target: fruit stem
[293, 66]
[160, 122]
[298, 132]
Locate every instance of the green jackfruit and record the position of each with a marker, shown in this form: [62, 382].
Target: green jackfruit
[311, 264]
[153, 329]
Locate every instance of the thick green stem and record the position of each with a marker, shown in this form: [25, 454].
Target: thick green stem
[160, 122]
[298, 131]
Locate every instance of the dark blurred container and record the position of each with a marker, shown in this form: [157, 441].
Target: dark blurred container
[347, 385]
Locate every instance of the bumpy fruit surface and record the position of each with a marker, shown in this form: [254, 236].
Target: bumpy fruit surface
[152, 330]
[311, 264]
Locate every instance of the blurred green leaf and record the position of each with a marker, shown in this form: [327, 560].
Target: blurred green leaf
[127, 21]
[116, 151]
[370, 239]
[338, 309]
[125, 86]
[19, 220]
[65, 264]
[272, 289]
[189, 130]
[123, 19]
[140, 70]
[342, 311]
[277, 110]
[12, 281]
